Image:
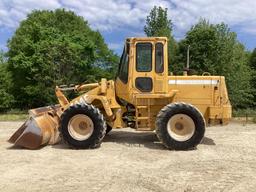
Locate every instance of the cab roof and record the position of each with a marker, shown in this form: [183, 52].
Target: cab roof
[133, 39]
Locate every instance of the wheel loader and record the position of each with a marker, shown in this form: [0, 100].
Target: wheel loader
[143, 96]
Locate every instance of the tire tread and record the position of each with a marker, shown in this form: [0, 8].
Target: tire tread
[98, 117]
[161, 126]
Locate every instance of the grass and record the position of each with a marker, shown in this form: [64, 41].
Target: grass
[244, 113]
[14, 115]
[248, 113]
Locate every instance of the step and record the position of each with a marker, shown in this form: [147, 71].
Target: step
[142, 107]
[144, 129]
[142, 118]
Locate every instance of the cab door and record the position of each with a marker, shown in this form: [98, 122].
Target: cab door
[150, 67]
[143, 73]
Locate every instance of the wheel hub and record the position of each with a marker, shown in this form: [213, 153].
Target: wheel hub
[83, 125]
[181, 127]
[80, 127]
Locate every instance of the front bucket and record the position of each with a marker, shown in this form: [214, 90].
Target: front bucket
[40, 129]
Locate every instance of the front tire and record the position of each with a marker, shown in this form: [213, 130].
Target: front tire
[82, 126]
[180, 126]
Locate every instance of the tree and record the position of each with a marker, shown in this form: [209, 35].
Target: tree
[252, 63]
[52, 48]
[215, 49]
[253, 59]
[6, 98]
[158, 24]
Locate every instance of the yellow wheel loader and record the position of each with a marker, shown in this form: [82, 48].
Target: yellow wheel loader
[143, 96]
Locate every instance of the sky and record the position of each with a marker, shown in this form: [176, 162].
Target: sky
[118, 19]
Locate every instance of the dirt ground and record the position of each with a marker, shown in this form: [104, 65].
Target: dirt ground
[134, 161]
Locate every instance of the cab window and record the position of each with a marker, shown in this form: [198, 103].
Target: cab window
[159, 58]
[143, 57]
[124, 66]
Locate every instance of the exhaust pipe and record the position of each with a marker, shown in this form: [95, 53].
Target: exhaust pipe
[40, 129]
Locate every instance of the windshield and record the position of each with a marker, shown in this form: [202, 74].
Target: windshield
[124, 65]
[143, 57]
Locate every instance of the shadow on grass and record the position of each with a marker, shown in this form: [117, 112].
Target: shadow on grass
[135, 139]
[15, 147]
[127, 138]
[208, 141]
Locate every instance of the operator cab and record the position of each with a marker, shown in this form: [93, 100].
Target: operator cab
[143, 68]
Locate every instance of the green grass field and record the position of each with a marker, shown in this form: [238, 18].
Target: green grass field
[13, 116]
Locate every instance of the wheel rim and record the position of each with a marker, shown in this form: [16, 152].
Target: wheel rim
[181, 127]
[80, 127]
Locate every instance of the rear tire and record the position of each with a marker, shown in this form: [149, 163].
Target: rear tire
[180, 126]
[82, 126]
